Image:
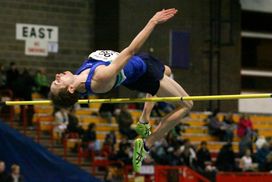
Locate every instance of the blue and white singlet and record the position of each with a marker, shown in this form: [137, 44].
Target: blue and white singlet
[134, 69]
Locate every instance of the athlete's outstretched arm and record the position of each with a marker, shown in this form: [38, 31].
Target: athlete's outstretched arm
[160, 17]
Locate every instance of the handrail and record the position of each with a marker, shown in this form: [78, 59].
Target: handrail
[184, 169]
[196, 174]
[11, 118]
[24, 117]
[244, 176]
[161, 170]
[38, 130]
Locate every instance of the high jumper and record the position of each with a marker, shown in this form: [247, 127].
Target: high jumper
[105, 69]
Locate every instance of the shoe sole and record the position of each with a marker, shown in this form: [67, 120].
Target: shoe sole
[137, 147]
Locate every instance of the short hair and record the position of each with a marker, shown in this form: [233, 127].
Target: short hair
[14, 167]
[91, 126]
[64, 99]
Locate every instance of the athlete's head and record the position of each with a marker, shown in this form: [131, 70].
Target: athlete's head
[62, 92]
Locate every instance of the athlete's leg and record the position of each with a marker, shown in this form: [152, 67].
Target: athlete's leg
[170, 88]
[148, 106]
[143, 128]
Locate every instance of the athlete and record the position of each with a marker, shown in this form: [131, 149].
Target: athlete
[106, 69]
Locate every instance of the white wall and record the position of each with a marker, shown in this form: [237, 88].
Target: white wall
[257, 5]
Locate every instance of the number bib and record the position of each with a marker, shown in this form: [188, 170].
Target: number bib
[104, 55]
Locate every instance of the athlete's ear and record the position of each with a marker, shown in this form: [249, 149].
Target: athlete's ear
[71, 89]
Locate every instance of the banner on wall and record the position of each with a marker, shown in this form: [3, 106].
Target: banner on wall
[262, 106]
[179, 49]
[39, 39]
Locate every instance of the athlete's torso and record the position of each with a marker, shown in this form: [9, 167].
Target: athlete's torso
[130, 73]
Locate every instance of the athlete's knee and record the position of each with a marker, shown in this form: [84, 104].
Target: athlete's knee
[167, 70]
[185, 107]
[189, 104]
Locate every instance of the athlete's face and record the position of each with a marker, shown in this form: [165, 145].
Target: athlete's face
[62, 80]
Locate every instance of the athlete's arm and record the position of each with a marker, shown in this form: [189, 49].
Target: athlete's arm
[116, 66]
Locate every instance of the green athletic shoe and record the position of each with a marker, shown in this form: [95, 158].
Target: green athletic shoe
[144, 130]
[138, 154]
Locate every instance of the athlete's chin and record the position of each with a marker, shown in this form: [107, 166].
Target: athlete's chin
[53, 90]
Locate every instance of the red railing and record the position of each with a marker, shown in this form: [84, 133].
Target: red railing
[65, 148]
[83, 153]
[7, 112]
[24, 118]
[178, 174]
[168, 173]
[128, 170]
[8, 115]
[38, 130]
[11, 117]
[80, 154]
[96, 161]
[243, 176]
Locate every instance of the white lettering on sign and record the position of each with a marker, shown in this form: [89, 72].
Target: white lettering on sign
[31, 31]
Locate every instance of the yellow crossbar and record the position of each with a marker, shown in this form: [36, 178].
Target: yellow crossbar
[152, 99]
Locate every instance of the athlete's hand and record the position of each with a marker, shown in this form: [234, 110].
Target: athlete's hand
[164, 15]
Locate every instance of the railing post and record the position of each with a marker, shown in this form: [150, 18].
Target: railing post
[11, 117]
[79, 154]
[126, 172]
[24, 117]
[64, 148]
[38, 130]
[93, 162]
[51, 139]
